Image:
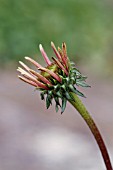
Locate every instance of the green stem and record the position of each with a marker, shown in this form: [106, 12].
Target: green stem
[88, 119]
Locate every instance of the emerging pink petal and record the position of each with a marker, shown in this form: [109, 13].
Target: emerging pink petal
[31, 78]
[44, 55]
[40, 77]
[24, 66]
[60, 65]
[41, 85]
[28, 81]
[23, 72]
[64, 50]
[63, 58]
[33, 62]
[55, 51]
[51, 73]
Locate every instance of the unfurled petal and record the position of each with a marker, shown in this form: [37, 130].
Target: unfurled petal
[44, 55]
[23, 72]
[28, 81]
[24, 66]
[60, 52]
[64, 50]
[31, 78]
[42, 78]
[63, 58]
[41, 85]
[60, 65]
[33, 62]
[55, 51]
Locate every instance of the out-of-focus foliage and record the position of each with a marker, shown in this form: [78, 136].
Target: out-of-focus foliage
[85, 25]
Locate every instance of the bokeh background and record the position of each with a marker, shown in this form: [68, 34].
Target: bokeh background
[32, 137]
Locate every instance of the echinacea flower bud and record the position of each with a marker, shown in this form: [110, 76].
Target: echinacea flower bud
[57, 80]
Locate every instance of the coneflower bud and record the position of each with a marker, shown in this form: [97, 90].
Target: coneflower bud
[57, 80]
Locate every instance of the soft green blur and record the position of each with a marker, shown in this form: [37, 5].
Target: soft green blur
[85, 25]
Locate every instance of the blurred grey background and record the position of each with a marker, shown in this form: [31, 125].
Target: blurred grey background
[32, 137]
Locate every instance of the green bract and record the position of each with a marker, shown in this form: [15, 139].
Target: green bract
[61, 91]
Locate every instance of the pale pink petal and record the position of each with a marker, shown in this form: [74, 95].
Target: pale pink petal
[27, 81]
[60, 65]
[63, 58]
[41, 85]
[23, 72]
[51, 73]
[55, 51]
[42, 78]
[24, 66]
[33, 62]
[64, 50]
[44, 55]
[27, 75]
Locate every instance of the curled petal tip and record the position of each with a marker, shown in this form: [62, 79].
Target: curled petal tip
[26, 57]
[20, 77]
[19, 68]
[24, 66]
[20, 62]
[64, 44]
[52, 44]
[40, 46]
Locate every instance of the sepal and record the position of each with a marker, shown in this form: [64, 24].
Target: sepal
[82, 84]
[74, 90]
[64, 101]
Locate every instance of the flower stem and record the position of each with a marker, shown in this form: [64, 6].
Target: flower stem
[88, 119]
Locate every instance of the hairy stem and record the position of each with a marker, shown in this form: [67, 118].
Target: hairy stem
[88, 119]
